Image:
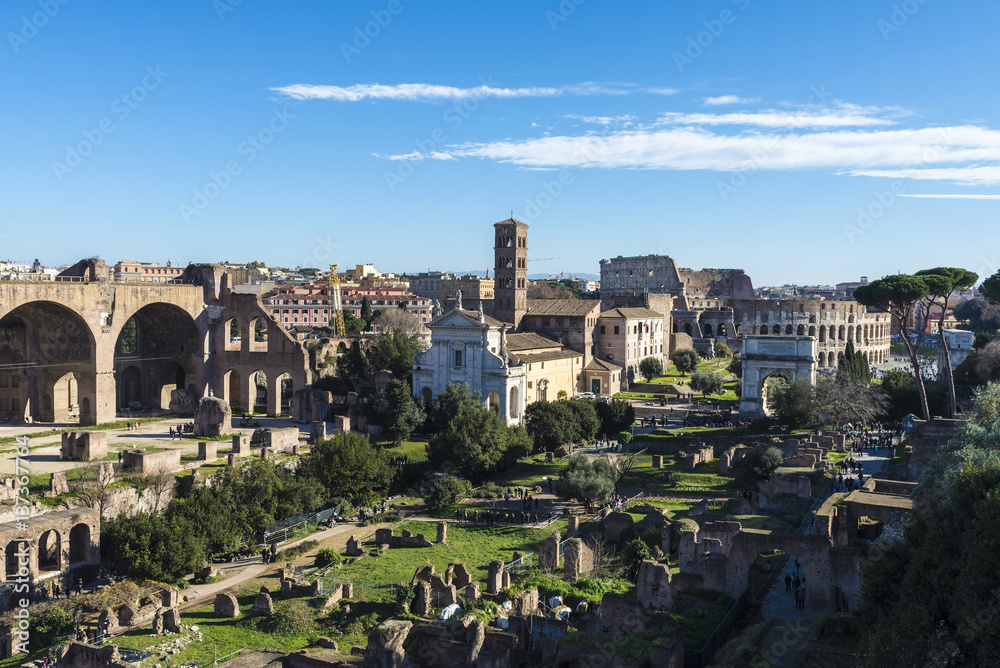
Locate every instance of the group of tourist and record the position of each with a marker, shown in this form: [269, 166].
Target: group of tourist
[181, 430]
[133, 425]
[497, 517]
[93, 636]
[797, 584]
[267, 555]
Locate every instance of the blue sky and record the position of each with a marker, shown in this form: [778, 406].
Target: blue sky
[802, 142]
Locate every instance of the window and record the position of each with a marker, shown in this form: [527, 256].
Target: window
[602, 329]
[458, 358]
[616, 329]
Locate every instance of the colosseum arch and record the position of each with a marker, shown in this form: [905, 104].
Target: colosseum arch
[53, 352]
[162, 343]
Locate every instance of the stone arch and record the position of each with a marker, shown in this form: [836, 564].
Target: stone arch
[811, 554]
[232, 388]
[164, 343]
[841, 333]
[514, 404]
[822, 333]
[788, 330]
[812, 330]
[258, 335]
[723, 330]
[801, 330]
[708, 330]
[49, 551]
[130, 387]
[776, 330]
[687, 329]
[10, 558]
[47, 341]
[763, 330]
[427, 395]
[232, 334]
[773, 376]
[284, 391]
[79, 544]
[257, 391]
[493, 402]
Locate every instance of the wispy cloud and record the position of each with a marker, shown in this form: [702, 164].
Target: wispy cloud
[433, 93]
[729, 99]
[967, 196]
[859, 152]
[623, 120]
[820, 118]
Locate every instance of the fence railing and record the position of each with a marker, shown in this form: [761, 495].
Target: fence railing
[698, 658]
[283, 534]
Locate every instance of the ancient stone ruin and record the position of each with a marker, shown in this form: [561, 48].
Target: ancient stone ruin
[212, 417]
[226, 605]
[406, 539]
[84, 446]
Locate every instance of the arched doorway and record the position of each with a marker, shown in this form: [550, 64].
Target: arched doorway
[79, 544]
[48, 551]
[234, 391]
[258, 391]
[514, 405]
[130, 388]
[56, 350]
[285, 392]
[233, 334]
[259, 329]
[771, 384]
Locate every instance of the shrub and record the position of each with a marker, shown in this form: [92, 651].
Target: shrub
[328, 557]
[445, 491]
[624, 437]
[290, 618]
[298, 550]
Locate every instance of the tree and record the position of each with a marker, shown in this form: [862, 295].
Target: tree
[445, 491]
[853, 366]
[685, 359]
[736, 366]
[898, 296]
[929, 592]
[149, 545]
[396, 411]
[471, 439]
[366, 311]
[393, 351]
[397, 320]
[722, 350]
[554, 423]
[349, 466]
[707, 383]
[354, 366]
[650, 368]
[846, 401]
[757, 465]
[615, 415]
[794, 403]
[942, 283]
[94, 486]
[991, 289]
[587, 482]
[352, 324]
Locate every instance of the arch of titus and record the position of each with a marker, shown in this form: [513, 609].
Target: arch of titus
[790, 357]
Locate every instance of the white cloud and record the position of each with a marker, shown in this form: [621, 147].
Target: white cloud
[624, 120]
[433, 92]
[729, 99]
[969, 196]
[827, 118]
[896, 153]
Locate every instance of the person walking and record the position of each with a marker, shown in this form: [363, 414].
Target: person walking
[788, 582]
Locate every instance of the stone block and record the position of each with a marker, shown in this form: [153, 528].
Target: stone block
[494, 579]
[471, 591]
[262, 605]
[208, 450]
[615, 524]
[579, 560]
[548, 552]
[653, 588]
[212, 417]
[317, 431]
[574, 525]
[172, 620]
[241, 445]
[657, 461]
[354, 547]
[442, 533]
[226, 605]
[327, 643]
[58, 485]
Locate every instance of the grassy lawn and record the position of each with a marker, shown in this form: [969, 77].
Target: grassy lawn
[414, 451]
[529, 471]
[705, 480]
[475, 546]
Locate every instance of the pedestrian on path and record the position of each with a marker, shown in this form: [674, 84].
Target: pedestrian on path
[788, 582]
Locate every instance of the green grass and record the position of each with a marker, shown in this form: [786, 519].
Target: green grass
[475, 546]
[221, 636]
[529, 471]
[414, 451]
[705, 480]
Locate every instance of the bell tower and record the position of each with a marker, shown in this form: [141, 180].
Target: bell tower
[510, 293]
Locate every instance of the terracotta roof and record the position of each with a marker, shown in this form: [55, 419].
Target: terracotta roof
[565, 307]
[601, 365]
[631, 313]
[561, 354]
[529, 341]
